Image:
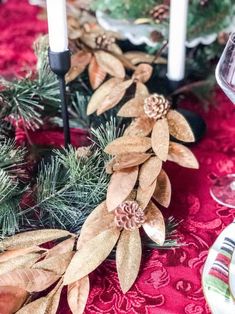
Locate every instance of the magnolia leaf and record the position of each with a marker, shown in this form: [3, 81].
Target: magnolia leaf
[91, 255]
[124, 161]
[133, 108]
[79, 62]
[114, 97]
[149, 172]
[141, 91]
[160, 139]
[141, 57]
[63, 247]
[115, 49]
[57, 264]
[162, 193]
[98, 220]
[120, 186]
[140, 127]
[8, 255]
[103, 91]
[77, 295]
[31, 280]
[128, 144]
[12, 299]
[96, 74]
[54, 297]
[74, 33]
[110, 64]
[89, 39]
[128, 258]
[154, 225]
[38, 306]
[31, 238]
[143, 73]
[182, 156]
[21, 261]
[143, 197]
[179, 127]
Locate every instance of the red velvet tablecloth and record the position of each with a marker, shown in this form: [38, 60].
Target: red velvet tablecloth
[169, 281]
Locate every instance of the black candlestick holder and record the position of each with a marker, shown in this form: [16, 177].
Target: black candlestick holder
[60, 63]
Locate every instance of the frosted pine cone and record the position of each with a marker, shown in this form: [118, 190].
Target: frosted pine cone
[104, 42]
[160, 13]
[83, 152]
[129, 215]
[156, 106]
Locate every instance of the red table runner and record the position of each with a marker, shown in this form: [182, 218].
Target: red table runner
[170, 280]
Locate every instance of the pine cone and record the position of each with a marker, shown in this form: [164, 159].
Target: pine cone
[160, 13]
[129, 215]
[156, 106]
[104, 42]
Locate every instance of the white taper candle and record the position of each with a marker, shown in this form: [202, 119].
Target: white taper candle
[57, 25]
[177, 38]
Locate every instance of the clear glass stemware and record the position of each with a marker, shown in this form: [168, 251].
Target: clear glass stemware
[223, 189]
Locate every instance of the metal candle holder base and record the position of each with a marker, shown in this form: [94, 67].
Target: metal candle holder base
[60, 64]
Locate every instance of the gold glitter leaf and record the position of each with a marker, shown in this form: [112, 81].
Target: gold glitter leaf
[140, 57]
[179, 127]
[128, 144]
[11, 299]
[124, 161]
[78, 293]
[63, 247]
[54, 297]
[8, 255]
[182, 156]
[110, 64]
[141, 91]
[121, 184]
[96, 74]
[143, 73]
[149, 172]
[91, 255]
[79, 62]
[32, 280]
[31, 238]
[128, 258]
[144, 195]
[141, 126]
[113, 98]
[98, 220]
[155, 224]
[133, 108]
[162, 193]
[103, 91]
[160, 139]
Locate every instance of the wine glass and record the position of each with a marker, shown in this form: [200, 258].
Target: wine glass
[223, 189]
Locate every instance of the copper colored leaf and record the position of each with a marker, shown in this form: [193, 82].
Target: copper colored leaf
[140, 57]
[141, 91]
[144, 196]
[96, 74]
[133, 108]
[141, 126]
[121, 184]
[154, 225]
[162, 193]
[78, 293]
[110, 64]
[114, 97]
[62, 247]
[79, 62]
[149, 172]
[98, 220]
[129, 160]
[182, 155]
[179, 127]
[21, 261]
[103, 91]
[91, 255]
[11, 299]
[31, 238]
[160, 139]
[128, 257]
[143, 73]
[8, 255]
[32, 280]
[56, 264]
[128, 144]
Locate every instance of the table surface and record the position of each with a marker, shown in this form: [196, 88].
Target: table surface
[170, 280]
